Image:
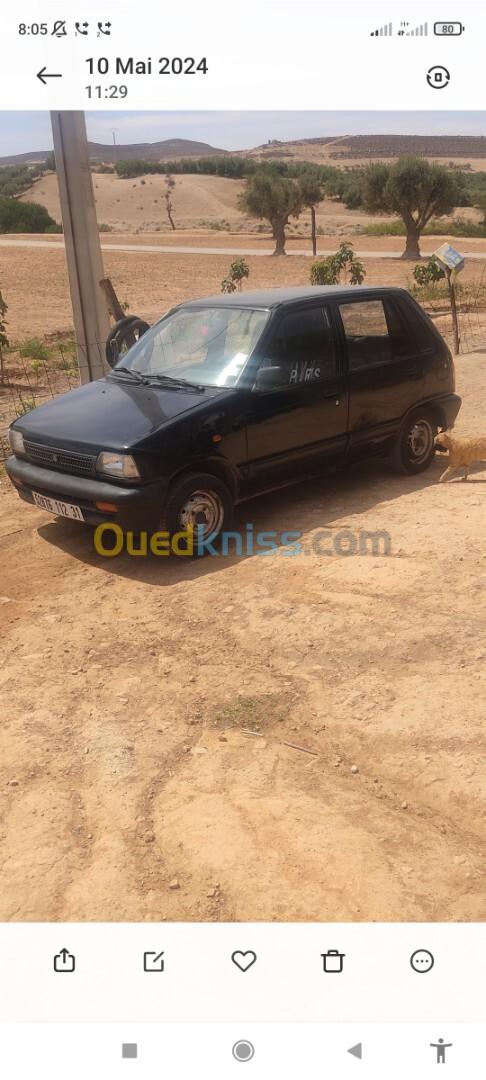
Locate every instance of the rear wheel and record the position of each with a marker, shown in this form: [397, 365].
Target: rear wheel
[200, 504]
[414, 449]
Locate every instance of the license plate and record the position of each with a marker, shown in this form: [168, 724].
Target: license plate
[60, 509]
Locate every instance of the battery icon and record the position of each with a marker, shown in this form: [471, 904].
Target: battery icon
[448, 29]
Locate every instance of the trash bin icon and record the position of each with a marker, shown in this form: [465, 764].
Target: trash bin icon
[333, 961]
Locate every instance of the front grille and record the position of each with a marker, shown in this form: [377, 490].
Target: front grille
[53, 457]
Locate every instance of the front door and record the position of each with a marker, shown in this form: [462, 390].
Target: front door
[296, 428]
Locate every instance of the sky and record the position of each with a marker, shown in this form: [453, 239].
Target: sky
[21, 132]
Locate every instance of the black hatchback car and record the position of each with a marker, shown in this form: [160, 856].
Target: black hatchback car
[232, 396]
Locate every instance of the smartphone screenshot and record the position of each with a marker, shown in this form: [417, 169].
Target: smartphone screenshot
[242, 559]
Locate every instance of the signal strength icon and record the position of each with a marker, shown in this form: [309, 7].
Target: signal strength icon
[419, 31]
[383, 31]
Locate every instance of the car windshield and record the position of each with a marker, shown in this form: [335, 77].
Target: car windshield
[208, 346]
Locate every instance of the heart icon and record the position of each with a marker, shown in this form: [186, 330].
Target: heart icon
[244, 960]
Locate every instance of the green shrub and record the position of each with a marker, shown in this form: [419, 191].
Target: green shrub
[238, 270]
[328, 271]
[33, 349]
[429, 273]
[24, 217]
[458, 227]
[14, 179]
[25, 405]
[385, 228]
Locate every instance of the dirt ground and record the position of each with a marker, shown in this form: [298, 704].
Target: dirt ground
[130, 788]
[35, 282]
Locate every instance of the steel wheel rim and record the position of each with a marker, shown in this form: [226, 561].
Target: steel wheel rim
[203, 512]
[420, 440]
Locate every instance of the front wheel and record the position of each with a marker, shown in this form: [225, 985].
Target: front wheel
[414, 449]
[201, 506]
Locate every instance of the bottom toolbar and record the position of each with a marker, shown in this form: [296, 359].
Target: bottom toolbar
[219, 1051]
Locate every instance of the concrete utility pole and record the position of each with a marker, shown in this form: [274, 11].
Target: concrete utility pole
[81, 236]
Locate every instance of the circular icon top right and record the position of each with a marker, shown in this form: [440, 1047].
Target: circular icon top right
[438, 77]
[422, 961]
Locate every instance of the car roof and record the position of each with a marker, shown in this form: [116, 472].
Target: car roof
[272, 298]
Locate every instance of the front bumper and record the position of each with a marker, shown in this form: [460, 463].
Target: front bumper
[139, 508]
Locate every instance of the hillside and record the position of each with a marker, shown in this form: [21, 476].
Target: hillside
[344, 150]
[166, 150]
[467, 151]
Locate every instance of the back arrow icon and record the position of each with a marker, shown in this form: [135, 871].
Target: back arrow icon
[356, 1051]
[45, 74]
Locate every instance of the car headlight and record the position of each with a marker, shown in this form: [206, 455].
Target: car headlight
[117, 465]
[16, 440]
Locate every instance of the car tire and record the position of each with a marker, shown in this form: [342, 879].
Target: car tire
[414, 448]
[125, 332]
[199, 500]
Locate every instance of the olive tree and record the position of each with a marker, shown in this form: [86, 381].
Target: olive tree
[413, 188]
[274, 198]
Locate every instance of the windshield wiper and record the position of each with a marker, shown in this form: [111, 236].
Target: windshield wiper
[137, 375]
[175, 382]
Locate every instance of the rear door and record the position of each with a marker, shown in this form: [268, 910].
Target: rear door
[386, 370]
[297, 428]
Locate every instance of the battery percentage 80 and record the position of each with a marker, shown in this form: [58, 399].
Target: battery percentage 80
[450, 29]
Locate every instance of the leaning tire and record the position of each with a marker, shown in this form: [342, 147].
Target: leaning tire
[201, 502]
[122, 336]
[414, 449]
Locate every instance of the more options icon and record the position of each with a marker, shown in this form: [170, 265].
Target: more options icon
[422, 961]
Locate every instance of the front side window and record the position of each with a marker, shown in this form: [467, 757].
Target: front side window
[303, 347]
[209, 346]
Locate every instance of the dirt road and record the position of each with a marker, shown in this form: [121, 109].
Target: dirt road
[129, 789]
[181, 249]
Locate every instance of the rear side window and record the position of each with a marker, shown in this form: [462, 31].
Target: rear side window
[367, 337]
[376, 332]
[303, 345]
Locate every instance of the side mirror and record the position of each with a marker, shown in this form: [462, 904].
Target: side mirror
[269, 378]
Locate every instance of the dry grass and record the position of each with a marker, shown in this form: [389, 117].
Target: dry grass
[207, 203]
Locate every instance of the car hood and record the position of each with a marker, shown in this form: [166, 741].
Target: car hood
[109, 413]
